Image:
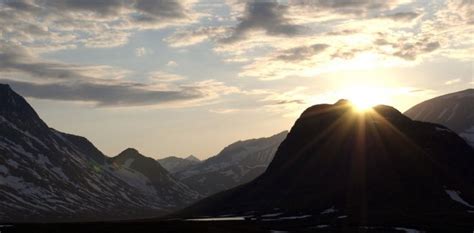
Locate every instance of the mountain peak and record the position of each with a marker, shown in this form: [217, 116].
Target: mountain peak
[131, 152]
[15, 109]
[390, 113]
[4, 86]
[8, 98]
[343, 102]
[193, 158]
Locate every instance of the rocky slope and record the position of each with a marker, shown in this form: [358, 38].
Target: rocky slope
[47, 175]
[159, 180]
[236, 164]
[174, 164]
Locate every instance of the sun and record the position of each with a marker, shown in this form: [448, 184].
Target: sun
[363, 98]
[362, 105]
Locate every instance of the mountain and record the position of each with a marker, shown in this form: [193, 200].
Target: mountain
[174, 164]
[455, 110]
[341, 167]
[236, 164]
[47, 175]
[159, 179]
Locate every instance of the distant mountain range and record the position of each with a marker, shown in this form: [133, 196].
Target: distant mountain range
[174, 164]
[236, 164]
[47, 175]
[455, 111]
[340, 167]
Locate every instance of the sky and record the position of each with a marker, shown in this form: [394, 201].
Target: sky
[175, 78]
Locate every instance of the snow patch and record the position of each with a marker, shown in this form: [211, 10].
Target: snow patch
[442, 129]
[453, 194]
[272, 215]
[12, 163]
[288, 218]
[128, 162]
[454, 111]
[442, 113]
[3, 170]
[407, 230]
[330, 210]
[216, 219]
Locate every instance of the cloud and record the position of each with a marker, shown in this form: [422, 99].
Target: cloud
[172, 63]
[87, 23]
[286, 62]
[268, 16]
[403, 16]
[410, 48]
[16, 59]
[290, 103]
[453, 81]
[464, 8]
[224, 110]
[301, 52]
[104, 86]
[102, 94]
[296, 101]
[124, 94]
[142, 51]
[160, 76]
[188, 37]
[104, 8]
[339, 30]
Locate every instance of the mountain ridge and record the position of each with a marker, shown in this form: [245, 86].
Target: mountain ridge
[237, 163]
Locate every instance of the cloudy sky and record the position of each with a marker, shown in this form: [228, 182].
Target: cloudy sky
[189, 77]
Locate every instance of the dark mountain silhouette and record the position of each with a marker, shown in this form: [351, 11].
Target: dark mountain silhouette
[341, 167]
[236, 164]
[174, 164]
[455, 111]
[46, 175]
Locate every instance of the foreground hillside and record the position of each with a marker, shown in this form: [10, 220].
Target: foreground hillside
[340, 167]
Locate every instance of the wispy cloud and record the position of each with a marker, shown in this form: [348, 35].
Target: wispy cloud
[453, 81]
[100, 85]
[172, 63]
[123, 94]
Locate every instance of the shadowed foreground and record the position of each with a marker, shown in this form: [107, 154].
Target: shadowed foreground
[305, 225]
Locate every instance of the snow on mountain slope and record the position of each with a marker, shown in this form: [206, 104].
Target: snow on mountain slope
[174, 164]
[162, 182]
[236, 164]
[455, 110]
[46, 175]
